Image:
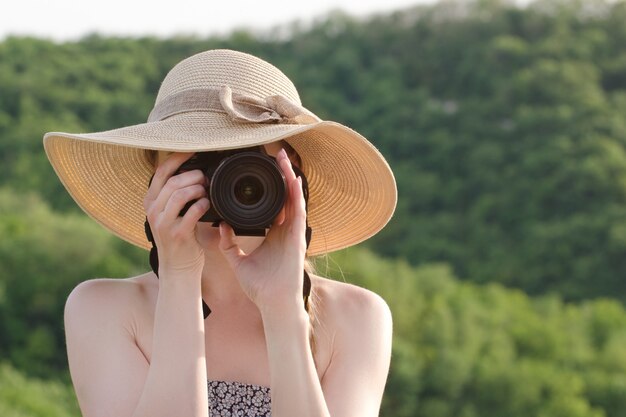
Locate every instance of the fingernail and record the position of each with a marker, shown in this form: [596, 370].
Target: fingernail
[283, 152]
[300, 181]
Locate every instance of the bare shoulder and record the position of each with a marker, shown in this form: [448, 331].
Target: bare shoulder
[103, 320]
[109, 299]
[350, 307]
[359, 324]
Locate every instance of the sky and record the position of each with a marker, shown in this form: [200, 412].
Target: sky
[63, 20]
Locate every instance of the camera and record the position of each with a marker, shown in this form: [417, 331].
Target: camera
[247, 188]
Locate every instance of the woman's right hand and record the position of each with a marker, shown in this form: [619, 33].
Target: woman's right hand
[175, 236]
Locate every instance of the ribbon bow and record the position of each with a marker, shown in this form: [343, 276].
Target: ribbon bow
[275, 108]
[240, 107]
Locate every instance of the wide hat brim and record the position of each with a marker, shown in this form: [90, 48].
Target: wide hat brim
[352, 189]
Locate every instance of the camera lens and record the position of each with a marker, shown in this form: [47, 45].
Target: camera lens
[248, 190]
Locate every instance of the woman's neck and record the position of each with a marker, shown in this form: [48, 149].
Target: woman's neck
[219, 283]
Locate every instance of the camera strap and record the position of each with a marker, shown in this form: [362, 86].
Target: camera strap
[306, 288]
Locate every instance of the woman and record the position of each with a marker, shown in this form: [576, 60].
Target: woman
[230, 327]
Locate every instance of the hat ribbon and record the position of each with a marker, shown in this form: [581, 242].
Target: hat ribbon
[240, 107]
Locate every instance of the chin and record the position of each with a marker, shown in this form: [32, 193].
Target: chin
[249, 243]
[209, 238]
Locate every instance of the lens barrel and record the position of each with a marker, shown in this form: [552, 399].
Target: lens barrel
[248, 190]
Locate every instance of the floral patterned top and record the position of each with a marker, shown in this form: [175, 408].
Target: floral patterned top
[236, 399]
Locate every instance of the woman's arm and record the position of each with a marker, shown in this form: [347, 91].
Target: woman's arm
[176, 383]
[272, 277]
[110, 374]
[354, 381]
[108, 369]
[296, 388]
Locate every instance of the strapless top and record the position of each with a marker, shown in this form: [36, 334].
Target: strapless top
[234, 399]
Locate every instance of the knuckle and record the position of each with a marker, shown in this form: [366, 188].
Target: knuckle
[198, 176]
[198, 190]
[173, 182]
[188, 193]
[199, 207]
[151, 214]
[179, 196]
[159, 174]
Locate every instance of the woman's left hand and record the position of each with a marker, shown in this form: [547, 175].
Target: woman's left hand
[271, 275]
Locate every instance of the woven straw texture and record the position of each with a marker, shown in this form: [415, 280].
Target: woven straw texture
[352, 189]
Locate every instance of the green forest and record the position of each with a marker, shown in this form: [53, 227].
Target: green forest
[505, 263]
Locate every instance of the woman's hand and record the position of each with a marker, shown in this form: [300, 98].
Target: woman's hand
[271, 275]
[178, 248]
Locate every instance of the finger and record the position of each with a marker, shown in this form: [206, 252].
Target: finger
[280, 219]
[229, 248]
[290, 176]
[297, 207]
[176, 183]
[164, 171]
[193, 215]
[180, 197]
[294, 221]
[285, 165]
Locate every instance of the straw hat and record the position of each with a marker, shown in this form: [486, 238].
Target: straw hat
[222, 99]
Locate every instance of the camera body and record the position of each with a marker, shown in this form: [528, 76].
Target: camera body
[247, 188]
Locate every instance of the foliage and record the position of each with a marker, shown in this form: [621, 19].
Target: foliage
[504, 125]
[27, 397]
[467, 350]
[459, 349]
[43, 255]
[505, 129]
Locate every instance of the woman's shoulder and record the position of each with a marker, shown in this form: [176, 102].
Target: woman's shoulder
[113, 297]
[348, 305]
[354, 328]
